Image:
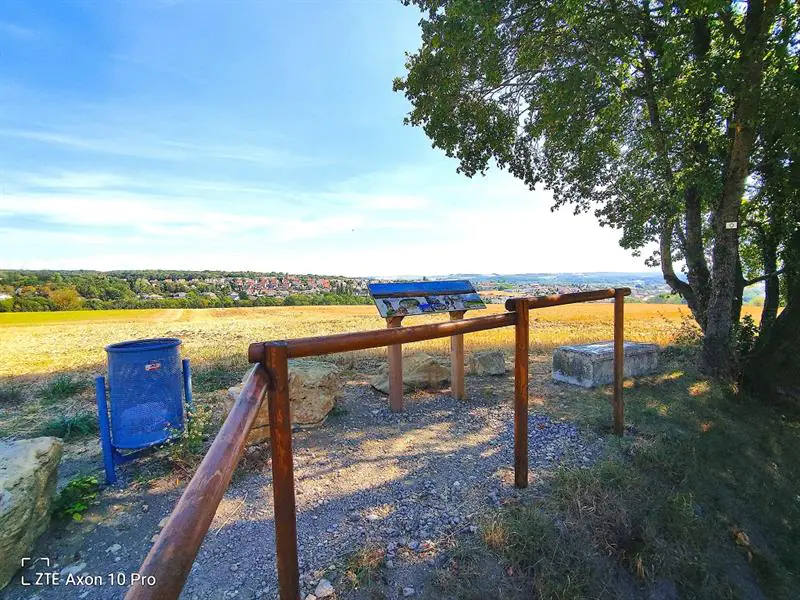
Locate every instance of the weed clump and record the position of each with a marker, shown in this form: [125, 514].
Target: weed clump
[62, 387]
[186, 447]
[70, 427]
[10, 394]
[76, 498]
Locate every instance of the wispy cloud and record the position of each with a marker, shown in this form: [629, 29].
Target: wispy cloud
[163, 149]
[14, 31]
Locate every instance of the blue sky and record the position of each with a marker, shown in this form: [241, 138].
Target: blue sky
[247, 135]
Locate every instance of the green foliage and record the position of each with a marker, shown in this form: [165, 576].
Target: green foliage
[666, 299]
[630, 110]
[62, 387]
[36, 291]
[746, 336]
[76, 498]
[70, 427]
[186, 447]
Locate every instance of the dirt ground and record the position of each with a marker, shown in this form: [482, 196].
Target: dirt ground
[405, 484]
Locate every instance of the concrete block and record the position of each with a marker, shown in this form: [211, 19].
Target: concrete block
[592, 365]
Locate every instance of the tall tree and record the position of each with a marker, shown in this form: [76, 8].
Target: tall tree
[648, 112]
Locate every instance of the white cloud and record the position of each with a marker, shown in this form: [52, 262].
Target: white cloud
[154, 148]
[398, 223]
[15, 31]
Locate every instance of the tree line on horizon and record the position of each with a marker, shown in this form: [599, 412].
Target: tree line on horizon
[52, 290]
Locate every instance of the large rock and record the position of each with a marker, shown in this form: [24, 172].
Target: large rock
[314, 386]
[487, 362]
[28, 470]
[420, 372]
[591, 365]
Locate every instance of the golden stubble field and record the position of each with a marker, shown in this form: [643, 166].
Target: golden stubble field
[40, 344]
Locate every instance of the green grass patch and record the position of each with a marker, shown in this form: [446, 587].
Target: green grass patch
[62, 387]
[701, 499]
[218, 375]
[69, 427]
[76, 498]
[365, 567]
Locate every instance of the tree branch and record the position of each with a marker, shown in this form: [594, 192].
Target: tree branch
[727, 21]
[763, 277]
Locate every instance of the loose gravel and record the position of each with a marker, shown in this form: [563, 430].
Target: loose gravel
[407, 483]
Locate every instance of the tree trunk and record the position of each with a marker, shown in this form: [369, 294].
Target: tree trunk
[772, 285]
[717, 346]
[773, 369]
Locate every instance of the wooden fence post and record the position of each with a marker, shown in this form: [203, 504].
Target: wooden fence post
[395, 369]
[457, 359]
[521, 345]
[280, 430]
[619, 360]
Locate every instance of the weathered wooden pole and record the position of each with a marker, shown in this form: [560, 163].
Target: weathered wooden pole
[280, 430]
[619, 360]
[395, 369]
[521, 345]
[457, 359]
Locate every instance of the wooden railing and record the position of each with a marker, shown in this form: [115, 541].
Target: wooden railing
[164, 570]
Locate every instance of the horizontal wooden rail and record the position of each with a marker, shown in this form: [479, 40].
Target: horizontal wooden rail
[167, 565]
[559, 299]
[363, 340]
[170, 559]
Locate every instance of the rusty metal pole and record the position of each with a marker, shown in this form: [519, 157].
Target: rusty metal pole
[619, 360]
[521, 346]
[280, 429]
[457, 360]
[395, 369]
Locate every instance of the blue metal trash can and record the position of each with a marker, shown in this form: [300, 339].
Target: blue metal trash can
[147, 383]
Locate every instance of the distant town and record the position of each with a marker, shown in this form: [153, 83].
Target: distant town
[24, 290]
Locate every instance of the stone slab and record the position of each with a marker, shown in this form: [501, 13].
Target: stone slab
[592, 365]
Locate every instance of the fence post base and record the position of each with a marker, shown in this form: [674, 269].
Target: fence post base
[521, 347]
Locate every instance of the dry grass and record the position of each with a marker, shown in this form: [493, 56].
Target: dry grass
[34, 344]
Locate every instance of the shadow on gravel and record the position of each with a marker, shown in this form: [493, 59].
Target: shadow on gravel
[406, 483]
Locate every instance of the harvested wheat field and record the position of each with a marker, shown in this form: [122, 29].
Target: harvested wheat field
[36, 344]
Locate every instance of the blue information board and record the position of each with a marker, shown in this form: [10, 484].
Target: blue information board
[424, 297]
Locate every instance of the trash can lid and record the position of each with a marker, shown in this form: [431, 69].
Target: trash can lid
[143, 345]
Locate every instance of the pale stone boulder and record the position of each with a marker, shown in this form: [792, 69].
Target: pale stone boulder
[420, 372]
[592, 365]
[28, 470]
[314, 386]
[487, 362]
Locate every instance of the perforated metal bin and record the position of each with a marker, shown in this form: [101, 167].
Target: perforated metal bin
[147, 383]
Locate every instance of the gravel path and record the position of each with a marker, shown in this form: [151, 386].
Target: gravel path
[406, 483]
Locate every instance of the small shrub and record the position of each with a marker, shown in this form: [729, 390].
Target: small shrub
[62, 387]
[745, 335]
[76, 497]
[186, 446]
[70, 427]
[10, 394]
[364, 566]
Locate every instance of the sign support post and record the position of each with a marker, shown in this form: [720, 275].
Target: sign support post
[395, 369]
[397, 300]
[457, 359]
